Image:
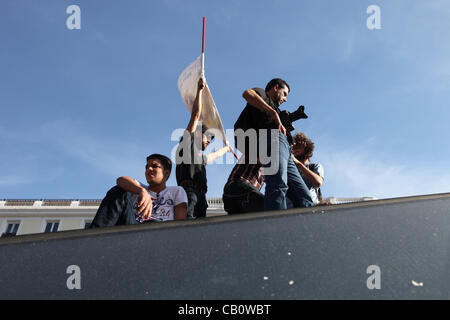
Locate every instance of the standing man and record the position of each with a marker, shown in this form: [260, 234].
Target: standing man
[191, 162]
[262, 112]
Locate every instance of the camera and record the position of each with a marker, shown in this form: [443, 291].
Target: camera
[287, 118]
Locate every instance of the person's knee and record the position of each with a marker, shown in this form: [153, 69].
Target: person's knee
[115, 192]
[280, 179]
[277, 187]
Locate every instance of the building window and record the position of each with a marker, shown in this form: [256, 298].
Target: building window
[11, 229]
[52, 226]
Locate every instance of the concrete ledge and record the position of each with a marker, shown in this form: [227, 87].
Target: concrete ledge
[325, 252]
[214, 220]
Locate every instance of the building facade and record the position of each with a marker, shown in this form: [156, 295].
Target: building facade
[28, 216]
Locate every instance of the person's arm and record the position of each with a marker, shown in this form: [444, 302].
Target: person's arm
[256, 101]
[145, 204]
[180, 211]
[315, 179]
[210, 157]
[196, 107]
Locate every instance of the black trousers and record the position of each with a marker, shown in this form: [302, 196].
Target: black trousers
[197, 204]
[241, 197]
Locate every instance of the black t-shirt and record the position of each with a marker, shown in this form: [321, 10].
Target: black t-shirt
[191, 166]
[253, 118]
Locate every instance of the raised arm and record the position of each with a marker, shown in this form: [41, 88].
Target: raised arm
[210, 157]
[196, 107]
[256, 101]
[145, 204]
[315, 179]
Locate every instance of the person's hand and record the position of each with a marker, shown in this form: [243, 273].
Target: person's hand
[230, 148]
[298, 148]
[201, 84]
[277, 121]
[295, 159]
[145, 205]
[297, 162]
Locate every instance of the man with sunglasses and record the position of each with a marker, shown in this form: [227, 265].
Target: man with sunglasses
[191, 162]
[132, 202]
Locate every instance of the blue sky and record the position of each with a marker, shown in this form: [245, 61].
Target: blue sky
[80, 108]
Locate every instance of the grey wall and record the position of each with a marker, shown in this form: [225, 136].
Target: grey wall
[319, 253]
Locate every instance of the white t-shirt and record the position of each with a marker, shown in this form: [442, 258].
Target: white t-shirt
[163, 202]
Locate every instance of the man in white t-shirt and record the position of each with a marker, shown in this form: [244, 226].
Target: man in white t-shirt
[132, 202]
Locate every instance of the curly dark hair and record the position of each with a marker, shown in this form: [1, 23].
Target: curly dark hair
[300, 137]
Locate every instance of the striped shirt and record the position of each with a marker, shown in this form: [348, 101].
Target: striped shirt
[249, 173]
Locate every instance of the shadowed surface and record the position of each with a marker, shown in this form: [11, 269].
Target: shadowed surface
[315, 253]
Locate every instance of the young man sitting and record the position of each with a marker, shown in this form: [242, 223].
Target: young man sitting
[132, 202]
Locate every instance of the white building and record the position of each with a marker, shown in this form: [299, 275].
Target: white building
[28, 216]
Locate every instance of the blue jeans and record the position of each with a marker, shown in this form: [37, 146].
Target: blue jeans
[286, 182]
[116, 209]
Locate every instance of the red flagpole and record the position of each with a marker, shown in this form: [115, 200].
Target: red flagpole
[203, 61]
[203, 36]
[203, 49]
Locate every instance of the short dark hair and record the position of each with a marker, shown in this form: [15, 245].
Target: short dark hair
[277, 81]
[165, 162]
[207, 133]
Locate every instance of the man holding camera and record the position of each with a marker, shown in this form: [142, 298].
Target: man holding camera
[262, 112]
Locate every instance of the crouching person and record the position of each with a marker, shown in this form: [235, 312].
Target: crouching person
[242, 192]
[132, 202]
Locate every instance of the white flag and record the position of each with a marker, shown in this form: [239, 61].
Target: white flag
[187, 85]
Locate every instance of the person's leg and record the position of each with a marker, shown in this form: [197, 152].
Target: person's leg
[230, 198]
[298, 192]
[115, 209]
[240, 197]
[255, 202]
[130, 213]
[289, 204]
[202, 205]
[252, 199]
[233, 196]
[192, 202]
[277, 184]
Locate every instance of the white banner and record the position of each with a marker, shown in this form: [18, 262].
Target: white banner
[187, 85]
